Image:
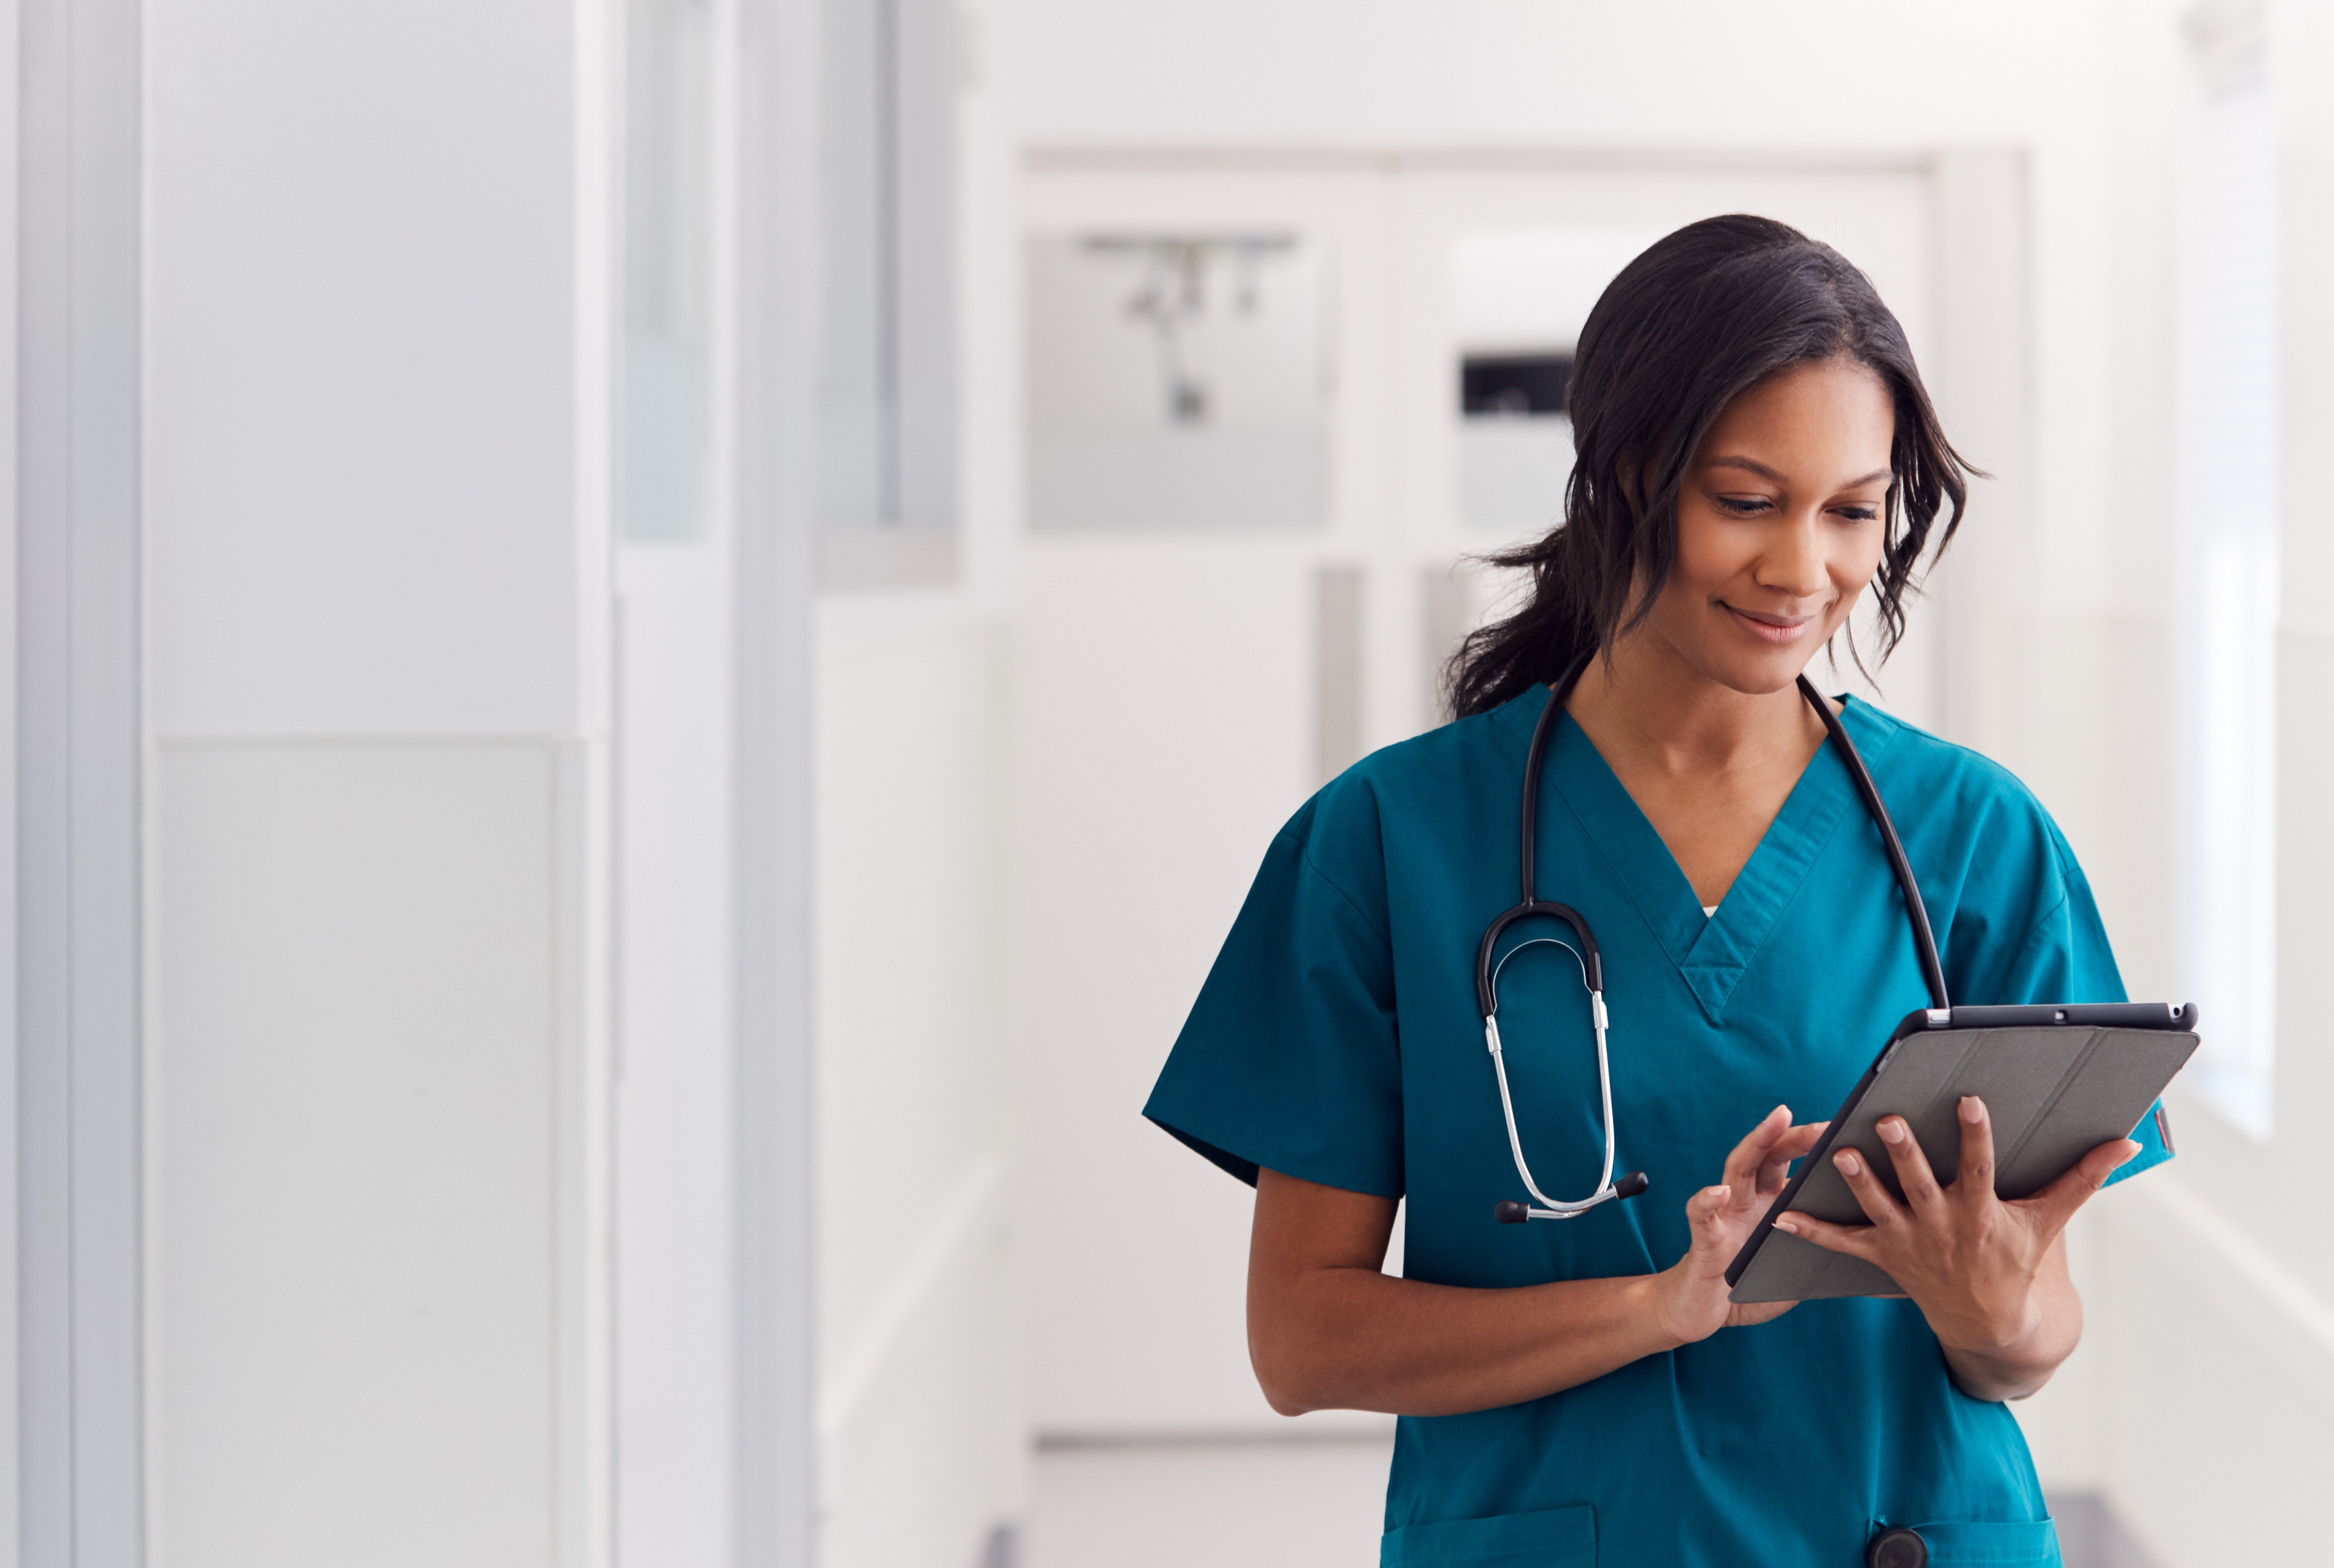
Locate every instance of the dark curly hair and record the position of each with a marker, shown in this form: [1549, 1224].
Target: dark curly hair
[1698, 319]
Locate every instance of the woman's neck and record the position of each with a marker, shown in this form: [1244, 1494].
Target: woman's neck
[1649, 708]
[1709, 766]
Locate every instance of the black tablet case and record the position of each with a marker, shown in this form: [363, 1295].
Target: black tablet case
[2055, 1087]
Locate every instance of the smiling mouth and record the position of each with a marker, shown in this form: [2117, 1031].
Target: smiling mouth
[1776, 629]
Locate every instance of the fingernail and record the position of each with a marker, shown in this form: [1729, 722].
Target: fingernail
[1848, 1163]
[1973, 1109]
[1891, 1129]
[1785, 1222]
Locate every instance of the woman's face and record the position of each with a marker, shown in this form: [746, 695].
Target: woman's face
[1780, 525]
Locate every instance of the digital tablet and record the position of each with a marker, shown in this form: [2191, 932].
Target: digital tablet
[2057, 1082]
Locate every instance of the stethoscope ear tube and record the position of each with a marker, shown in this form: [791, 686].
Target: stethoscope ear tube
[1925, 940]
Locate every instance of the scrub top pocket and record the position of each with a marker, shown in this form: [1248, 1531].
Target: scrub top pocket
[1986, 1543]
[1550, 1538]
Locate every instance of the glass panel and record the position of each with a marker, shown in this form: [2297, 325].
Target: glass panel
[1178, 382]
[859, 302]
[662, 449]
[2229, 414]
[1519, 297]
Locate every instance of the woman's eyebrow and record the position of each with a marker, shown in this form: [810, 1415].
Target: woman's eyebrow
[1763, 471]
[1752, 464]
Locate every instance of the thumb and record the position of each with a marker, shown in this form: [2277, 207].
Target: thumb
[1703, 1212]
[2056, 1204]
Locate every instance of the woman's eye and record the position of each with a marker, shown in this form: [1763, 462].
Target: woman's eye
[1859, 514]
[1743, 506]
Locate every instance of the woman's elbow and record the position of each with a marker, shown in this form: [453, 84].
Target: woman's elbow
[1290, 1385]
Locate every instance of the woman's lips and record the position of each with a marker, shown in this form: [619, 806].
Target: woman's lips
[1776, 629]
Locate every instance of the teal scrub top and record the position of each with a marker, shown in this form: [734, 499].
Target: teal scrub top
[1337, 1040]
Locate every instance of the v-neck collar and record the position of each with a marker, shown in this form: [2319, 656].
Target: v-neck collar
[1712, 953]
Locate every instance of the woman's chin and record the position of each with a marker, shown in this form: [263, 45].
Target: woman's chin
[1756, 671]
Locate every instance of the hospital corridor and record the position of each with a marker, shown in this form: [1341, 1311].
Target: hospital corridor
[765, 756]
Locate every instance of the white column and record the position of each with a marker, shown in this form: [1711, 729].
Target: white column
[376, 475]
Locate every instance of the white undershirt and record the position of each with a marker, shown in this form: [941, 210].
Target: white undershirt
[1709, 910]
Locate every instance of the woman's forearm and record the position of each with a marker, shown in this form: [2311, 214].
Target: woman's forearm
[1327, 1329]
[1354, 1338]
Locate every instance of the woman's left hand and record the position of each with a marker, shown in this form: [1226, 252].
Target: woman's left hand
[1989, 1276]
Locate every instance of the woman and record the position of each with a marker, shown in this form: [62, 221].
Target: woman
[1755, 450]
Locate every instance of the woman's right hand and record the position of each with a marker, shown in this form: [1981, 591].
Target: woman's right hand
[1691, 1295]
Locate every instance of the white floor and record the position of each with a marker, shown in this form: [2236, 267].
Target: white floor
[1293, 1505]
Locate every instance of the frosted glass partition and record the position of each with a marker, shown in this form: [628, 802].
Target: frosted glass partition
[2226, 846]
[859, 350]
[665, 450]
[1517, 299]
[1178, 382]
[887, 280]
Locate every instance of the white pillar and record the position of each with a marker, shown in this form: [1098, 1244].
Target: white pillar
[377, 481]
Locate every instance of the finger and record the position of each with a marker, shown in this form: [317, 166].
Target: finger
[2055, 1204]
[1973, 1183]
[1793, 1144]
[1856, 1241]
[1879, 1206]
[1912, 1172]
[1742, 1165]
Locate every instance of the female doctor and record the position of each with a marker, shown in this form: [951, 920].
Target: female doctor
[1755, 450]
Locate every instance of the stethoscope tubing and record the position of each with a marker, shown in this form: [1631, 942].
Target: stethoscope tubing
[1592, 968]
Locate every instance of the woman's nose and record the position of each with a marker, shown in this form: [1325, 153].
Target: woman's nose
[1793, 562]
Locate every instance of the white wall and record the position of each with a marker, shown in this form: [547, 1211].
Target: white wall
[918, 1374]
[675, 1214]
[374, 479]
[375, 514]
[357, 1126]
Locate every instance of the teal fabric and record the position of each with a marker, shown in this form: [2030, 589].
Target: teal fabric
[1337, 1039]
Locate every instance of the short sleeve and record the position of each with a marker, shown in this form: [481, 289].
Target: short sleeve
[1289, 1059]
[2066, 957]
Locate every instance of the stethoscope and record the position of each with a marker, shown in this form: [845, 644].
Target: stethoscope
[1507, 1211]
